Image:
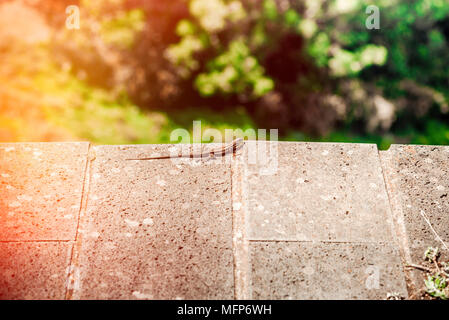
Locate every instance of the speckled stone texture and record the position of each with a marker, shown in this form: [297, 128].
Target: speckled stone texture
[329, 194]
[317, 221]
[320, 192]
[33, 270]
[323, 270]
[41, 186]
[417, 178]
[155, 229]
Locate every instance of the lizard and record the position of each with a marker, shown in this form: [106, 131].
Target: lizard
[229, 148]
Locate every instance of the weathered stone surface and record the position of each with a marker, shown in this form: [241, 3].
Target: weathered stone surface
[418, 186]
[320, 192]
[33, 270]
[242, 266]
[320, 227]
[325, 270]
[41, 186]
[155, 229]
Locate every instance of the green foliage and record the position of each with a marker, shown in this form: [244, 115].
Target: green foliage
[346, 63]
[435, 133]
[431, 254]
[213, 15]
[185, 28]
[48, 102]
[307, 27]
[234, 71]
[310, 68]
[345, 135]
[319, 49]
[270, 10]
[121, 29]
[292, 18]
[182, 54]
[224, 48]
[231, 120]
[436, 283]
[95, 114]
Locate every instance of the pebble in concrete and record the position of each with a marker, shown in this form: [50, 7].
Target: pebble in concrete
[33, 270]
[155, 229]
[41, 186]
[418, 184]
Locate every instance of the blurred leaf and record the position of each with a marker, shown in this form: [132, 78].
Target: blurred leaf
[121, 29]
[270, 10]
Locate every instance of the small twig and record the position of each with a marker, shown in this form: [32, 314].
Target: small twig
[417, 266]
[437, 266]
[433, 230]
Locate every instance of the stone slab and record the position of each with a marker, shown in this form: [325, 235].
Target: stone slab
[155, 229]
[417, 178]
[325, 270]
[319, 192]
[34, 270]
[41, 186]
